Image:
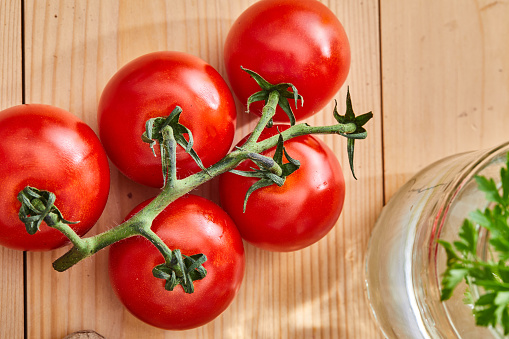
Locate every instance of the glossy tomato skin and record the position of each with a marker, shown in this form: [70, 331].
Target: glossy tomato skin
[297, 214]
[151, 86]
[50, 149]
[194, 225]
[297, 41]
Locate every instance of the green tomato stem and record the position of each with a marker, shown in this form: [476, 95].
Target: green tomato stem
[170, 158]
[73, 237]
[175, 188]
[268, 112]
[265, 162]
[302, 129]
[158, 243]
[93, 244]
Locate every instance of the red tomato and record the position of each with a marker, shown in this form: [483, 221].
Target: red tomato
[297, 214]
[194, 225]
[297, 41]
[50, 149]
[152, 86]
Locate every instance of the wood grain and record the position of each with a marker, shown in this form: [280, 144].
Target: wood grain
[445, 81]
[73, 49]
[11, 262]
[435, 74]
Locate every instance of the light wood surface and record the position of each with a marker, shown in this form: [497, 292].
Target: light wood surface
[434, 73]
[445, 69]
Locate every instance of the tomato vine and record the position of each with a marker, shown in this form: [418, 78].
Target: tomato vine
[348, 125]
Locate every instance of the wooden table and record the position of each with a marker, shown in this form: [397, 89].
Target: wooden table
[434, 73]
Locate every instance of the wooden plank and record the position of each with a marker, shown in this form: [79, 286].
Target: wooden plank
[11, 262]
[349, 239]
[64, 65]
[445, 81]
[72, 50]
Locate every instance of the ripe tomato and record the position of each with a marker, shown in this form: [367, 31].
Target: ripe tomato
[297, 41]
[50, 149]
[297, 214]
[194, 225]
[152, 86]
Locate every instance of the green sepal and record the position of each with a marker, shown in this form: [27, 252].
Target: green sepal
[38, 206]
[265, 182]
[359, 132]
[291, 166]
[181, 270]
[282, 89]
[154, 133]
[267, 176]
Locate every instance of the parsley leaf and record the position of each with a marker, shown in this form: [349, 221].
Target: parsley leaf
[490, 275]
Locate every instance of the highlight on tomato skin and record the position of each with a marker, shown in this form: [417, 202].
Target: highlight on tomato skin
[151, 86]
[194, 225]
[51, 149]
[301, 42]
[297, 214]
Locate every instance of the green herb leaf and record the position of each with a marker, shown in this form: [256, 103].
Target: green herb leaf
[489, 187]
[468, 238]
[491, 277]
[503, 271]
[468, 299]
[452, 257]
[486, 316]
[451, 278]
[504, 175]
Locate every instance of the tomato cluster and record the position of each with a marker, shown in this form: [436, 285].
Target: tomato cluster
[299, 42]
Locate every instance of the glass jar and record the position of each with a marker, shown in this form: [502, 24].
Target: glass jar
[404, 263]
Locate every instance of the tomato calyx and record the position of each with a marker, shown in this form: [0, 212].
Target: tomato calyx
[350, 118]
[177, 269]
[181, 270]
[38, 206]
[167, 131]
[270, 170]
[282, 89]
